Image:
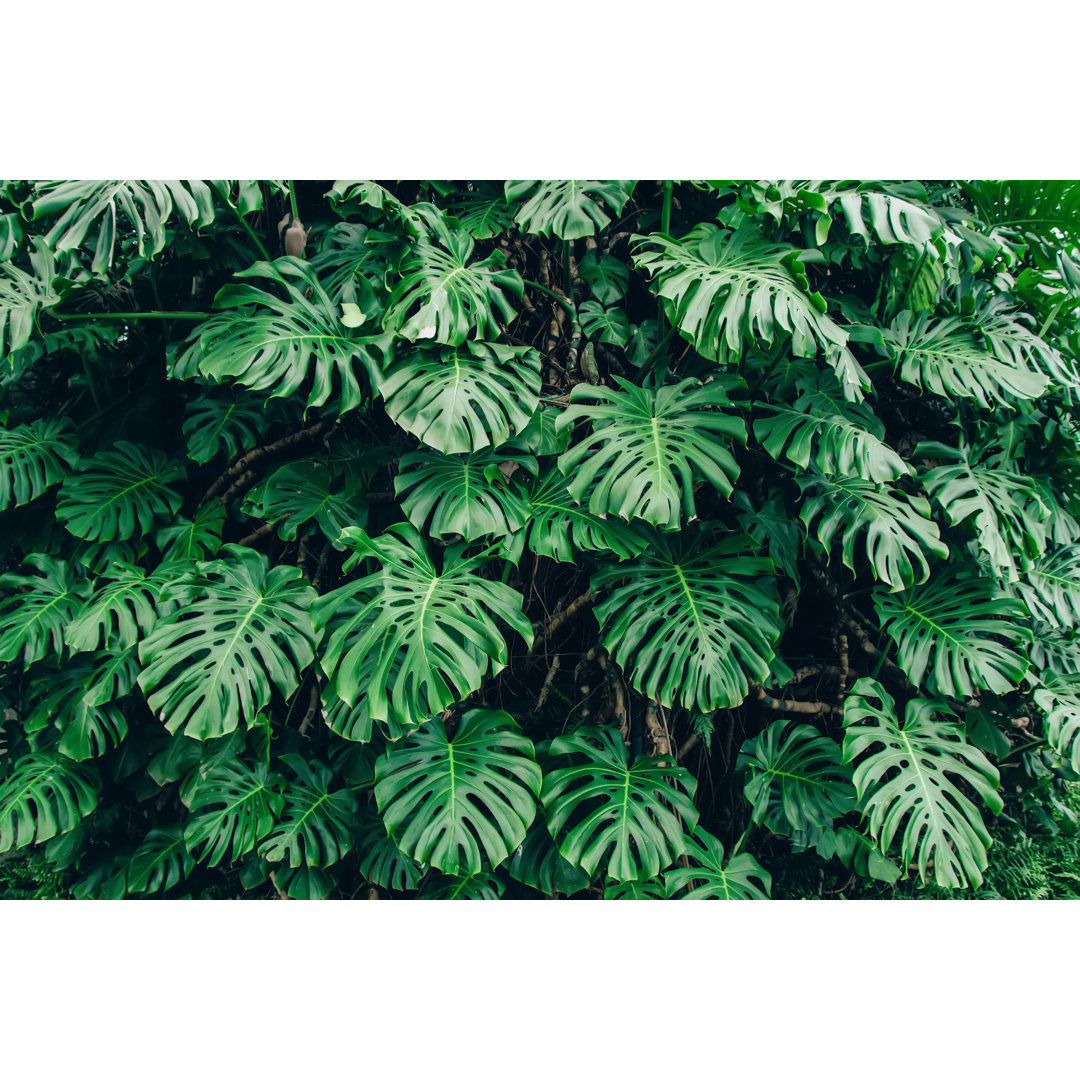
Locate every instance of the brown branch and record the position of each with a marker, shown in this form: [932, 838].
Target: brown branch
[811, 708]
[548, 627]
[253, 538]
[312, 710]
[243, 464]
[692, 740]
[656, 731]
[546, 688]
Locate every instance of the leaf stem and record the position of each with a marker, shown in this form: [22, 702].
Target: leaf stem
[568, 281]
[292, 199]
[252, 234]
[1052, 316]
[665, 226]
[739, 843]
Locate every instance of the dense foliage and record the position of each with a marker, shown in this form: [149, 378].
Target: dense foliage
[539, 538]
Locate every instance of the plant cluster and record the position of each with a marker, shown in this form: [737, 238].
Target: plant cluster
[535, 539]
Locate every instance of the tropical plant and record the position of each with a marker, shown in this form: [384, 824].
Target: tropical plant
[519, 539]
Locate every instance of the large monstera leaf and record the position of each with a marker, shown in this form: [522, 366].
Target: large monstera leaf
[307, 491]
[234, 807]
[948, 634]
[443, 298]
[33, 619]
[714, 878]
[1008, 519]
[125, 606]
[316, 823]
[23, 295]
[840, 438]
[645, 447]
[445, 495]
[283, 347]
[146, 204]
[458, 401]
[33, 457]
[945, 357]
[419, 640]
[897, 531]
[44, 795]
[119, 493]
[795, 779]
[915, 777]
[241, 629]
[629, 821]
[160, 861]
[449, 802]
[569, 209]
[1058, 696]
[559, 527]
[727, 290]
[691, 624]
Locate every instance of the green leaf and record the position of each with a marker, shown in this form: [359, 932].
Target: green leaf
[459, 401]
[691, 625]
[32, 621]
[636, 890]
[470, 497]
[645, 447]
[355, 722]
[432, 635]
[897, 530]
[536, 862]
[43, 796]
[120, 492]
[444, 299]
[240, 805]
[910, 778]
[607, 325]
[1008, 518]
[729, 290]
[773, 528]
[483, 212]
[1050, 589]
[607, 277]
[316, 824]
[606, 815]
[381, 862]
[840, 437]
[949, 634]
[276, 346]
[240, 630]
[232, 423]
[33, 457]
[160, 861]
[24, 295]
[1059, 698]
[146, 204]
[302, 492]
[569, 209]
[189, 541]
[448, 801]
[795, 778]
[560, 528]
[739, 878]
[943, 356]
[482, 886]
[126, 605]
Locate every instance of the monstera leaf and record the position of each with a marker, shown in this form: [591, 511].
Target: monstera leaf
[146, 204]
[559, 527]
[1003, 329]
[381, 862]
[943, 356]
[772, 527]
[240, 630]
[1008, 518]
[482, 212]
[43, 796]
[608, 278]
[916, 777]
[347, 265]
[230, 422]
[1059, 698]
[33, 457]
[189, 541]
[442, 298]
[458, 401]
[448, 801]
[277, 345]
[536, 862]
[469, 497]
[125, 606]
[419, 640]
[794, 779]
[1050, 589]
[569, 209]
[727, 290]
[355, 722]
[316, 823]
[302, 492]
[739, 878]
[160, 861]
[899, 532]
[481, 886]
[607, 815]
[842, 438]
[645, 447]
[32, 621]
[947, 634]
[691, 625]
[605, 324]
[234, 807]
[120, 492]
